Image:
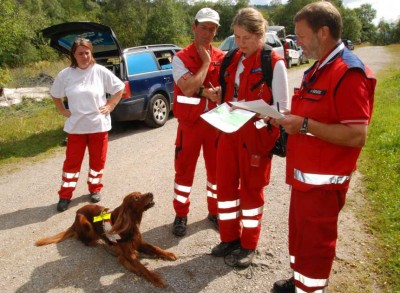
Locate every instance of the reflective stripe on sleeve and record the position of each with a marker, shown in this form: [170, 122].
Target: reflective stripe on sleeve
[228, 204]
[183, 188]
[310, 282]
[250, 223]
[253, 212]
[70, 175]
[319, 179]
[228, 216]
[188, 100]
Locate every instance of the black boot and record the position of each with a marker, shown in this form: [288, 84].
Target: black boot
[224, 248]
[284, 286]
[63, 204]
[179, 227]
[243, 257]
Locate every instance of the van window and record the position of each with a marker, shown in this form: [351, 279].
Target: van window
[141, 63]
[228, 44]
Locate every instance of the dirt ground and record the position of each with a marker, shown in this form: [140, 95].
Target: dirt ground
[141, 159]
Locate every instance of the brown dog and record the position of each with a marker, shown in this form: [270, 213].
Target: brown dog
[120, 230]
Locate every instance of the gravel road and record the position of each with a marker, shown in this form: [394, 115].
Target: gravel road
[141, 159]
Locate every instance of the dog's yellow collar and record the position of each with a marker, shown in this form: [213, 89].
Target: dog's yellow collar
[103, 216]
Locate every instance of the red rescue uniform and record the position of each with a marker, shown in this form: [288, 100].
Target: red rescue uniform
[194, 134]
[243, 158]
[336, 90]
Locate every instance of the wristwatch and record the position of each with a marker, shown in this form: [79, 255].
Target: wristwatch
[304, 127]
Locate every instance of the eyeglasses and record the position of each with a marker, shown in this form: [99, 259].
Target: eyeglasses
[79, 41]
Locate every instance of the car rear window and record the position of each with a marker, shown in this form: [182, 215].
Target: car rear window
[101, 42]
[141, 63]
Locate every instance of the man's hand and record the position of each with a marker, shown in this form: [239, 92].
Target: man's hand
[213, 94]
[291, 123]
[203, 54]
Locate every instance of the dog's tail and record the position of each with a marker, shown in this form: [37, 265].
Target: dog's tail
[70, 232]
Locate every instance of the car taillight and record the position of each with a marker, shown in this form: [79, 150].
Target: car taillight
[127, 91]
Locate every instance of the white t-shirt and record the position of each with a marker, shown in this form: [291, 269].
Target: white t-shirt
[86, 91]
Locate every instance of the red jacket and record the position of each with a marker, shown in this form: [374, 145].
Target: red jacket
[251, 75]
[312, 162]
[190, 112]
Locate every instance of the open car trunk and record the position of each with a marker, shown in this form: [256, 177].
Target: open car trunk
[106, 49]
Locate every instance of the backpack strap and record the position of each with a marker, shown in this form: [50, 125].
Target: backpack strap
[224, 65]
[266, 67]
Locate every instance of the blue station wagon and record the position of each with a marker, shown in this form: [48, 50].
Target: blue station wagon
[145, 70]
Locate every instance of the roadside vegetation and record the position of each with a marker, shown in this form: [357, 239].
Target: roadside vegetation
[380, 165]
[139, 22]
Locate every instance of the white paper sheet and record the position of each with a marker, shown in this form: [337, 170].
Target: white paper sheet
[226, 120]
[259, 107]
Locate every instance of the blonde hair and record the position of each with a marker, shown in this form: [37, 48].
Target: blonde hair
[251, 20]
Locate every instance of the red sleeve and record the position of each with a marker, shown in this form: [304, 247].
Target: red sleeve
[353, 98]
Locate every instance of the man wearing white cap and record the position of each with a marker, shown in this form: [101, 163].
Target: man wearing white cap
[196, 90]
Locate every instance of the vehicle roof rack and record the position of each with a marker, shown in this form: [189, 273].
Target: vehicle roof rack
[146, 47]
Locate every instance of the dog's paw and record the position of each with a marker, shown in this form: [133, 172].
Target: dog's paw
[170, 256]
[157, 281]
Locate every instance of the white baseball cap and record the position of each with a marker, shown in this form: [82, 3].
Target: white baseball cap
[207, 14]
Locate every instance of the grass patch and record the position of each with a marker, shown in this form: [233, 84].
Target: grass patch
[28, 130]
[32, 74]
[380, 164]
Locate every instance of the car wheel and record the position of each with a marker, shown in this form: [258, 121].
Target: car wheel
[158, 111]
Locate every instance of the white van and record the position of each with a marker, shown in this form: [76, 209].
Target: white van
[270, 39]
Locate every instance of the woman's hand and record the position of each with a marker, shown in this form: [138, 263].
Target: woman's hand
[107, 109]
[65, 113]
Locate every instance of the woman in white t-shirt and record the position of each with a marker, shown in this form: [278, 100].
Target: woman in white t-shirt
[85, 85]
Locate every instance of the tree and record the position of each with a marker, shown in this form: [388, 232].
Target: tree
[366, 14]
[351, 24]
[16, 34]
[162, 29]
[128, 18]
[227, 10]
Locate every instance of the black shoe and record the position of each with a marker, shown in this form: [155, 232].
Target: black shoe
[63, 204]
[284, 286]
[214, 220]
[179, 228]
[224, 248]
[95, 197]
[243, 257]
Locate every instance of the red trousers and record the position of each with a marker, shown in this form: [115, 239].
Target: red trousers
[97, 144]
[243, 170]
[313, 221]
[190, 139]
